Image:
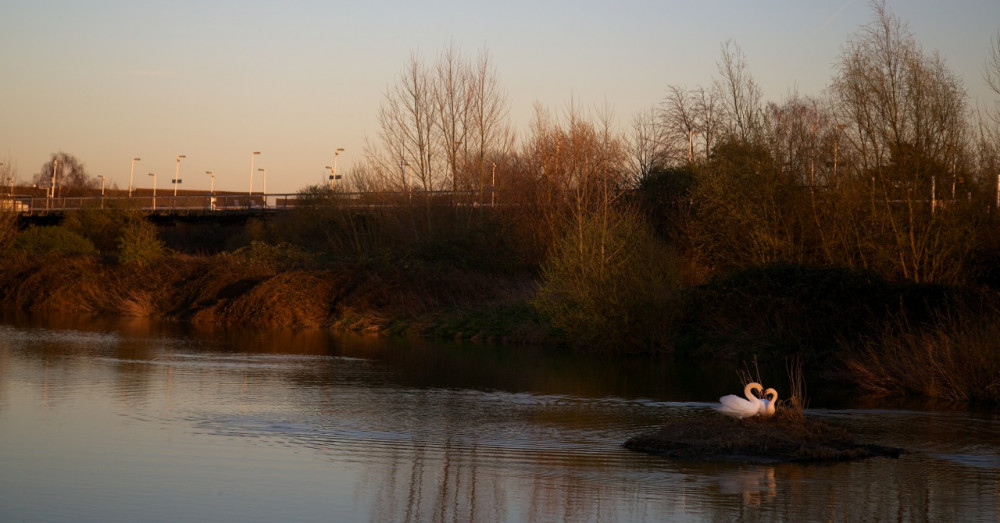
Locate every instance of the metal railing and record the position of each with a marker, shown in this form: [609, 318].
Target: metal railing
[166, 203]
[223, 202]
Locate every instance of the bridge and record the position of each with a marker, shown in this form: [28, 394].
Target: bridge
[221, 206]
[219, 202]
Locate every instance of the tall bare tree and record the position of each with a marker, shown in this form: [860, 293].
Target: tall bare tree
[452, 96]
[441, 125]
[709, 111]
[906, 117]
[646, 145]
[489, 133]
[741, 96]
[408, 128]
[680, 118]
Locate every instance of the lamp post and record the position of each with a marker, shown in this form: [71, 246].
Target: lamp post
[52, 185]
[211, 195]
[691, 145]
[131, 170]
[102, 190]
[154, 189]
[250, 191]
[211, 191]
[177, 171]
[263, 186]
[333, 170]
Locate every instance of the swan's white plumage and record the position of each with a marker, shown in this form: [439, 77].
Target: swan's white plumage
[737, 407]
[767, 403]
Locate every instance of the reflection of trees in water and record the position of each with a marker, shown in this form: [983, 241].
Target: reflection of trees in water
[907, 490]
[754, 485]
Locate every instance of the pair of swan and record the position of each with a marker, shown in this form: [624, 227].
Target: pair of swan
[737, 407]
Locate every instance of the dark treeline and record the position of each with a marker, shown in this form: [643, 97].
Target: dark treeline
[855, 232]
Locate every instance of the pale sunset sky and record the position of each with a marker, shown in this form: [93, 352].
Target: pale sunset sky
[108, 80]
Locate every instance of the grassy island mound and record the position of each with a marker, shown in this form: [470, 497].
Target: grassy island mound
[786, 437]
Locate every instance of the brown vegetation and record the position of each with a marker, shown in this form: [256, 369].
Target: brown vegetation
[954, 357]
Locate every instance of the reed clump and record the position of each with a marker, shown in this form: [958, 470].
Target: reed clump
[956, 356]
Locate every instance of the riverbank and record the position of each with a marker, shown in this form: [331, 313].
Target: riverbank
[248, 289]
[847, 327]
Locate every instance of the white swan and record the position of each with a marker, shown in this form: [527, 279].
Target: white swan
[767, 402]
[737, 407]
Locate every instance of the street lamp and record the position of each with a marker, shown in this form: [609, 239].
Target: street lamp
[102, 190]
[250, 191]
[154, 189]
[211, 197]
[52, 186]
[131, 170]
[691, 145]
[333, 170]
[263, 186]
[177, 171]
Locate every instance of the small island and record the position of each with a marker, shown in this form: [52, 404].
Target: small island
[788, 436]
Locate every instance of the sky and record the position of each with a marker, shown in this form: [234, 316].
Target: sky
[109, 80]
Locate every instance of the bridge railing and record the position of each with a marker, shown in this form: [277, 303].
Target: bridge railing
[234, 202]
[166, 203]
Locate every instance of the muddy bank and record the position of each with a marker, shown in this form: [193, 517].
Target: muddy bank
[228, 289]
[784, 438]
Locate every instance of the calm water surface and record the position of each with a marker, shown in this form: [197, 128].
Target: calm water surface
[151, 422]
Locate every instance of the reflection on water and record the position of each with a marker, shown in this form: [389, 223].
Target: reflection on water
[163, 422]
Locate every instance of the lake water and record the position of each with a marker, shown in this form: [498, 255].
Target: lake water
[140, 421]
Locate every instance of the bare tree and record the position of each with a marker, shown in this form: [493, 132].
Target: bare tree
[679, 116]
[408, 128]
[709, 121]
[988, 123]
[67, 174]
[439, 126]
[646, 145]
[906, 121]
[991, 72]
[489, 133]
[740, 94]
[451, 95]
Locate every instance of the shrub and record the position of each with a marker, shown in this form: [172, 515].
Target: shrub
[609, 286]
[102, 226]
[52, 240]
[272, 258]
[8, 228]
[138, 244]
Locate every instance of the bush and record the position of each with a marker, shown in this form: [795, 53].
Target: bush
[8, 228]
[609, 286]
[101, 226]
[272, 258]
[52, 240]
[138, 244]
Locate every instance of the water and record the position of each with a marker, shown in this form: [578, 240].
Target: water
[151, 422]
